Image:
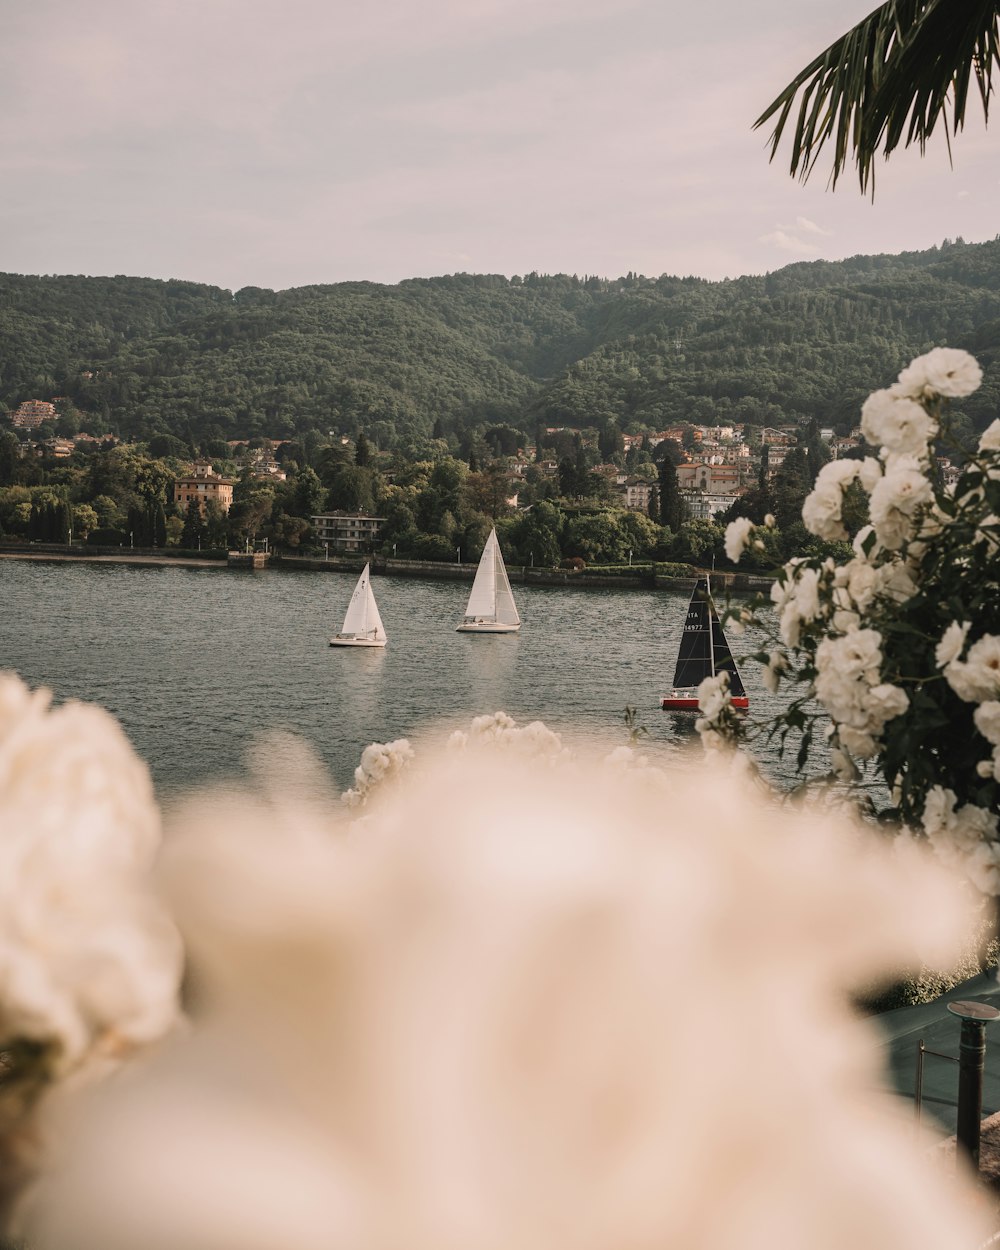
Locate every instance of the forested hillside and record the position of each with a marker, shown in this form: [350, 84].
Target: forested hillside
[451, 356]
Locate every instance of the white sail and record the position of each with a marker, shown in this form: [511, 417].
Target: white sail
[491, 605]
[483, 599]
[506, 609]
[363, 620]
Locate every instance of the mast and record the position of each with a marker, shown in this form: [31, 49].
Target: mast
[711, 613]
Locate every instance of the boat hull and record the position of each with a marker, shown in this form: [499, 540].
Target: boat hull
[486, 627]
[357, 642]
[689, 703]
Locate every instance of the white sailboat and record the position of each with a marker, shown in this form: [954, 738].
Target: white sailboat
[491, 608]
[362, 624]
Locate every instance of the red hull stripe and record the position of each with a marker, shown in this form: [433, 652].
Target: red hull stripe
[691, 705]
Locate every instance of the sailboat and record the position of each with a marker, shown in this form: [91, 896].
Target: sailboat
[703, 652]
[491, 608]
[362, 624]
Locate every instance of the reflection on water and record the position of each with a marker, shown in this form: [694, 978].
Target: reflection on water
[196, 662]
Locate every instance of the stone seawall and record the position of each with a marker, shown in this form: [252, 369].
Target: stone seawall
[645, 577]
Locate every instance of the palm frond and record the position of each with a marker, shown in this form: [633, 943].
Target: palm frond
[889, 80]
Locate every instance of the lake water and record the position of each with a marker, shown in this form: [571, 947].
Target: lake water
[196, 663]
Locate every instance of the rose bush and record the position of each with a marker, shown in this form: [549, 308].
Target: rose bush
[894, 654]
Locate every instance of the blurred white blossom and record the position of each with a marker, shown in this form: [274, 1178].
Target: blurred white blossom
[468, 1025]
[90, 962]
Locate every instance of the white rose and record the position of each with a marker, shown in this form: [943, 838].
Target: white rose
[951, 644]
[713, 696]
[896, 499]
[982, 864]
[887, 701]
[897, 423]
[947, 371]
[737, 536]
[860, 539]
[978, 678]
[821, 515]
[990, 440]
[987, 718]
[938, 807]
[860, 744]
[777, 663]
[843, 765]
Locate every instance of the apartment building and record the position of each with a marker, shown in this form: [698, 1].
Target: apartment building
[348, 531]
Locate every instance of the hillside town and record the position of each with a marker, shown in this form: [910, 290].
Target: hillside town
[575, 494]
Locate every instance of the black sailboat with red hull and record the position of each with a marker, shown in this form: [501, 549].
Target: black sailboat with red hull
[704, 652]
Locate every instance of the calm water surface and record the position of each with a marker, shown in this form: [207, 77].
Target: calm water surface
[197, 663]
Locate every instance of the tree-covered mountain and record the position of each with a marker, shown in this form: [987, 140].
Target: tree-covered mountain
[449, 357]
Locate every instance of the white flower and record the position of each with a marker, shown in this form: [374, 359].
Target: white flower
[459, 1032]
[978, 678]
[990, 440]
[777, 663]
[713, 696]
[737, 536]
[861, 538]
[822, 508]
[946, 371]
[534, 740]
[987, 718]
[860, 744]
[88, 962]
[860, 580]
[769, 521]
[843, 765]
[870, 474]
[951, 644]
[896, 499]
[938, 807]
[982, 863]
[888, 701]
[379, 761]
[897, 423]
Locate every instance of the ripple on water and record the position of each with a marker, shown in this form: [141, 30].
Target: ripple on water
[196, 663]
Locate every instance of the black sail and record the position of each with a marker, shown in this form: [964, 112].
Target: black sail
[724, 661]
[694, 658]
[704, 651]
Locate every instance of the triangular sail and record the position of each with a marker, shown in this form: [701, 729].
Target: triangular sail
[483, 598]
[694, 656]
[373, 625]
[506, 609]
[491, 600]
[724, 661]
[362, 619]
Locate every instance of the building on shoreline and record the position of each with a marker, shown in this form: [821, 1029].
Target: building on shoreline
[348, 531]
[203, 484]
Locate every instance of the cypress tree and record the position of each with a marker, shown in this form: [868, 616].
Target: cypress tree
[671, 504]
[159, 525]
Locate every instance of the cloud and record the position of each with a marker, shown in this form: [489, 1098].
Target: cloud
[804, 226]
[789, 243]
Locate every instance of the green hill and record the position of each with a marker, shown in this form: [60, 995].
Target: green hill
[140, 357]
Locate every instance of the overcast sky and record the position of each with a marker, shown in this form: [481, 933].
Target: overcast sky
[282, 142]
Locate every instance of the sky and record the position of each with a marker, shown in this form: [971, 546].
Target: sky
[277, 143]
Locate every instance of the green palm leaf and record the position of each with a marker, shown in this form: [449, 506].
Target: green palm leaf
[889, 80]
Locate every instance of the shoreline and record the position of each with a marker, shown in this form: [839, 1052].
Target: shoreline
[646, 579]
